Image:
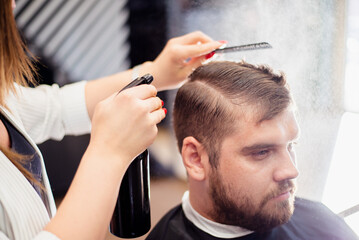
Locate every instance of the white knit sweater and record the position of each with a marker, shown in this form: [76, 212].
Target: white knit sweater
[42, 113]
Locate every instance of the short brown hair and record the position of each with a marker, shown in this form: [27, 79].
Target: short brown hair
[204, 105]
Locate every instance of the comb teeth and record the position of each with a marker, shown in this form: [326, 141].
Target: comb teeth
[246, 47]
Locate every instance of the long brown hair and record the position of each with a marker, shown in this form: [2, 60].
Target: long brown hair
[15, 67]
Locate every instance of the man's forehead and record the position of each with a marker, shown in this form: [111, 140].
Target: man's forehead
[248, 123]
[246, 114]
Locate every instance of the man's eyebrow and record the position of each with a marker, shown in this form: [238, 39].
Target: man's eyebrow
[249, 149]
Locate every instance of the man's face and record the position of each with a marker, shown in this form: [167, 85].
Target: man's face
[253, 185]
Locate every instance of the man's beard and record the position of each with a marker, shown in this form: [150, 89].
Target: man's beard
[241, 210]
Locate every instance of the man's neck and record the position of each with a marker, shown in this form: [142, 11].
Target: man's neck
[200, 201]
[209, 226]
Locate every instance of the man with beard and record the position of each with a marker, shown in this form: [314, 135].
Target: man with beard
[236, 130]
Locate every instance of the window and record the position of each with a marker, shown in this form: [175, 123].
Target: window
[341, 192]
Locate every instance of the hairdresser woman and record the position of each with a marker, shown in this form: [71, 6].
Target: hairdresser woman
[123, 125]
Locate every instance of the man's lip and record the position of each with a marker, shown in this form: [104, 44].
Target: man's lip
[283, 195]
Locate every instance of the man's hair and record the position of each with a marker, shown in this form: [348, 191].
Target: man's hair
[217, 93]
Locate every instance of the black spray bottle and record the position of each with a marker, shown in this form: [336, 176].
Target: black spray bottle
[132, 217]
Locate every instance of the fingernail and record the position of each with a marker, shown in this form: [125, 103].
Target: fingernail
[162, 103]
[165, 110]
[209, 55]
[223, 41]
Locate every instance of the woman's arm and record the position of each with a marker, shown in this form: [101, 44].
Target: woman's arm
[178, 59]
[124, 125]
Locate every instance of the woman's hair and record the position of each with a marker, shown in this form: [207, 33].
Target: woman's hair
[217, 93]
[15, 67]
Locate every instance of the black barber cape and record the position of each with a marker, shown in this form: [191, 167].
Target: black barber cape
[310, 221]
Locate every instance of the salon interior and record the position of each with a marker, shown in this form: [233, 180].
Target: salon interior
[316, 44]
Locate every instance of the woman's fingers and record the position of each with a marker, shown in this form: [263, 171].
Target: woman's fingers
[147, 100]
[200, 49]
[192, 45]
[153, 103]
[158, 115]
[193, 38]
[156, 112]
[142, 91]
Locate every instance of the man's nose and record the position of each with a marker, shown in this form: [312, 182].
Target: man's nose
[286, 167]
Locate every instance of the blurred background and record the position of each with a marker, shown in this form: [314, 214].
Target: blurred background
[316, 44]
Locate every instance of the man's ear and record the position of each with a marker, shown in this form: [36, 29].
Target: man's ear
[195, 158]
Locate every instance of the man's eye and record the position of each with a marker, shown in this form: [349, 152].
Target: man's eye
[260, 155]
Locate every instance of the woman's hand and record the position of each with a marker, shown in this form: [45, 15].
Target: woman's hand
[125, 123]
[179, 58]
[123, 126]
